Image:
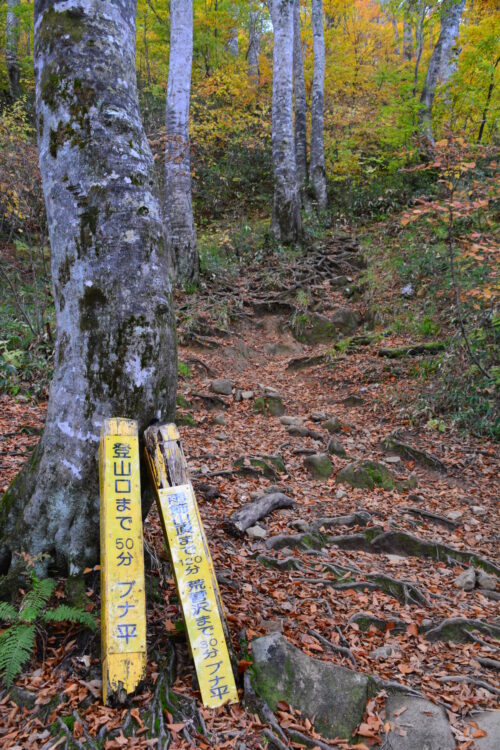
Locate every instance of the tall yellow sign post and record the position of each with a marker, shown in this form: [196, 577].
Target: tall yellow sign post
[123, 603]
[193, 568]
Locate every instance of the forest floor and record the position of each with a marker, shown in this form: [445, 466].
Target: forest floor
[315, 603]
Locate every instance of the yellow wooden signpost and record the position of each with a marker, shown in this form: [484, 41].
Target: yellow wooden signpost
[193, 568]
[123, 607]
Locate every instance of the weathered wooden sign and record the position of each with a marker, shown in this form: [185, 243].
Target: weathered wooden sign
[123, 603]
[193, 567]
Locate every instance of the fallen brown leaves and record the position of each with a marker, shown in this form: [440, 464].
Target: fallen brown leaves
[259, 599]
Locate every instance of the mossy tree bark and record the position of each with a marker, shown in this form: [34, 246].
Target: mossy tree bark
[317, 171]
[181, 236]
[12, 31]
[299, 91]
[115, 350]
[286, 219]
[442, 62]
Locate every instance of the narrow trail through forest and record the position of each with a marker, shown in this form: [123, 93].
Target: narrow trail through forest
[361, 576]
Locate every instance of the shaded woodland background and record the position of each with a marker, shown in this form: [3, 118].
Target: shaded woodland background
[380, 178]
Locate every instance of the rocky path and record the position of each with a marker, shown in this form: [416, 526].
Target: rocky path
[385, 561]
[388, 560]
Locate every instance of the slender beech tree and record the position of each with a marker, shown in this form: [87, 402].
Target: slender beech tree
[253, 52]
[299, 91]
[181, 235]
[486, 107]
[317, 172]
[12, 32]
[286, 218]
[442, 62]
[115, 352]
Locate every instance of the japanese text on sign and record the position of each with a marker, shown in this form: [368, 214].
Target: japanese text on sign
[122, 561]
[197, 594]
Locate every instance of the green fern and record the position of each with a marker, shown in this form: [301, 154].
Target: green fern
[63, 613]
[8, 612]
[35, 600]
[16, 647]
[18, 641]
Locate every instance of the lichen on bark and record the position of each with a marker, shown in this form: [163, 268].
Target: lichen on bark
[115, 349]
[286, 219]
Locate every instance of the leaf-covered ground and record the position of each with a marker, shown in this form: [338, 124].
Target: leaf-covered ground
[236, 331]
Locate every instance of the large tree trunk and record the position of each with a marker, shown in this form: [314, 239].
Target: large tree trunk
[232, 44]
[286, 219]
[181, 236]
[254, 33]
[12, 31]
[115, 351]
[442, 61]
[317, 172]
[299, 90]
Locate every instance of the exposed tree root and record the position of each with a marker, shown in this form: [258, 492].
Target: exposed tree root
[357, 518]
[250, 513]
[472, 681]
[454, 629]
[344, 650]
[395, 444]
[489, 663]
[405, 591]
[364, 621]
[431, 516]
[402, 543]
[433, 347]
[458, 630]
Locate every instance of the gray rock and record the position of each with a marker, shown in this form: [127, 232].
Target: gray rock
[346, 320]
[455, 515]
[288, 420]
[486, 580]
[221, 436]
[478, 510]
[386, 652]
[318, 416]
[335, 446]
[353, 400]
[423, 726]
[300, 525]
[269, 404]
[298, 430]
[247, 395]
[319, 466]
[488, 721]
[332, 425]
[315, 329]
[220, 419]
[466, 580]
[256, 532]
[222, 386]
[332, 697]
[366, 474]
